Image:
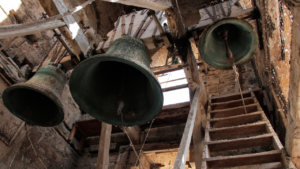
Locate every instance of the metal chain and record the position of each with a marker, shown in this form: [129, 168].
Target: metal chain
[237, 80]
[144, 141]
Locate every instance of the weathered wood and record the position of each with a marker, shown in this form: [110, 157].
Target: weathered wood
[240, 13]
[133, 133]
[198, 138]
[149, 4]
[172, 80]
[104, 144]
[240, 143]
[169, 68]
[235, 120]
[229, 132]
[174, 88]
[112, 147]
[73, 33]
[234, 111]
[29, 28]
[187, 135]
[38, 26]
[176, 106]
[232, 104]
[248, 159]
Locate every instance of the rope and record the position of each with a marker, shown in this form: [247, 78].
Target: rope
[131, 144]
[144, 141]
[237, 80]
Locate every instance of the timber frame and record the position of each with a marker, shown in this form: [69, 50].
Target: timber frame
[180, 36]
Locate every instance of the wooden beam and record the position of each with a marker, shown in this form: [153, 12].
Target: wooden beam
[104, 144]
[292, 140]
[133, 133]
[72, 33]
[169, 68]
[157, 5]
[240, 13]
[247, 159]
[198, 138]
[187, 135]
[176, 106]
[174, 88]
[38, 26]
[29, 28]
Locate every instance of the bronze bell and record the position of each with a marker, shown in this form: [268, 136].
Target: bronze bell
[242, 42]
[37, 101]
[118, 87]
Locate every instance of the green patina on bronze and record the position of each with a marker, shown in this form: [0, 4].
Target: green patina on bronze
[38, 100]
[242, 40]
[96, 82]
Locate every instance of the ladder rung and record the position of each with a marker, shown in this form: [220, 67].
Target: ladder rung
[247, 159]
[236, 120]
[234, 111]
[243, 130]
[233, 103]
[223, 145]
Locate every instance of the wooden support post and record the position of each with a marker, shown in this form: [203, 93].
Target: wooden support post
[188, 131]
[292, 140]
[73, 33]
[104, 144]
[133, 133]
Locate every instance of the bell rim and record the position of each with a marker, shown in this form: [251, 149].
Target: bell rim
[238, 63]
[127, 61]
[52, 97]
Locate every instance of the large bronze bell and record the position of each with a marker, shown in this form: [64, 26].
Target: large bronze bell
[118, 87]
[242, 41]
[38, 100]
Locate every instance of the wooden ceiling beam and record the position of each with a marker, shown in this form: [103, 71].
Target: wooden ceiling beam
[158, 5]
[72, 33]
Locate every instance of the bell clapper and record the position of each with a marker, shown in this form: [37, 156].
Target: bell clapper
[229, 55]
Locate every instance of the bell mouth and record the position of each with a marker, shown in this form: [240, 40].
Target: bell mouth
[96, 83]
[32, 105]
[242, 41]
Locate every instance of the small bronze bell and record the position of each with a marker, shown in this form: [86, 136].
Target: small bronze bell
[118, 87]
[37, 101]
[242, 41]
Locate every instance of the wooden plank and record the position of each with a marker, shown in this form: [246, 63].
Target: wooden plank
[72, 33]
[133, 133]
[176, 106]
[198, 139]
[174, 88]
[266, 98]
[234, 111]
[169, 68]
[240, 160]
[243, 130]
[223, 145]
[236, 120]
[232, 104]
[29, 28]
[112, 147]
[235, 94]
[148, 4]
[187, 135]
[104, 144]
[243, 14]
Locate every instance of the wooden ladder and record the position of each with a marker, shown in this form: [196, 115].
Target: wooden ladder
[234, 138]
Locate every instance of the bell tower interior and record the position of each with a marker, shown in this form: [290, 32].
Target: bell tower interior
[149, 84]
